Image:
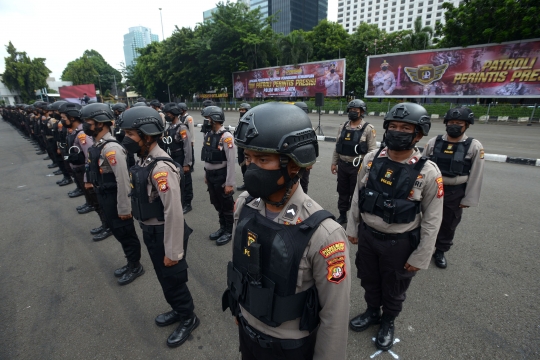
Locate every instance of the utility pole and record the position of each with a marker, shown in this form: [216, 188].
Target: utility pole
[115, 87]
[163, 39]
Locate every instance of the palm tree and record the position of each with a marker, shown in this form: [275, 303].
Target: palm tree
[420, 38]
[294, 48]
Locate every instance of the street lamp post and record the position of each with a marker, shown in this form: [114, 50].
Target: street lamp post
[100, 91]
[163, 39]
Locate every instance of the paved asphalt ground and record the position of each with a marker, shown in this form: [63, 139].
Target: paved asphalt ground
[60, 300]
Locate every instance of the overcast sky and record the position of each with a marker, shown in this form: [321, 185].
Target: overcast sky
[61, 30]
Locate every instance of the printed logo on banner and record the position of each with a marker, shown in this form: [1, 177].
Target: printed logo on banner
[426, 74]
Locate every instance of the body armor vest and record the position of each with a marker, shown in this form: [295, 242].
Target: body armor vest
[102, 182]
[450, 157]
[210, 152]
[56, 131]
[349, 143]
[263, 274]
[388, 188]
[171, 146]
[141, 207]
[73, 154]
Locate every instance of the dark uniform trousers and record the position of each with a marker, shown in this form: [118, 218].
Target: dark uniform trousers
[380, 264]
[123, 230]
[173, 279]
[223, 203]
[187, 188]
[252, 341]
[346, 179]
[451, 216]
[90, 195]
[78, 176]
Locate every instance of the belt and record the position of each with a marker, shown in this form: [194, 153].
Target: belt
[269, 342]
[454, 187]
[347, 162]
[152, 229]
[383, 236]
[216, 170]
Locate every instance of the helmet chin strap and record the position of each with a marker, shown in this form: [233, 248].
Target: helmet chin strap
[289, 182]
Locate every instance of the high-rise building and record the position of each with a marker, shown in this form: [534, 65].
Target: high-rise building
[390, 15]
[208, 14]
[292, 14]
[138, 37]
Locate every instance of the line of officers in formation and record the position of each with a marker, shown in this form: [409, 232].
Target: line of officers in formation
[288, 283]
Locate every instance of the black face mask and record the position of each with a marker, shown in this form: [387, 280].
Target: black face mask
[262, 183]
[169, 118]
[399, 141]
[87, 128]
[353, 115]
[64, 123]
[384, 68]
[57, 116]
[242, 114]
[131, 145]
[454, 131]
[332, 71]
[207, 126]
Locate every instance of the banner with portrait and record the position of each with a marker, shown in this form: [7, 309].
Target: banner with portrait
[302, 80]
[481, 71]
[79, 94]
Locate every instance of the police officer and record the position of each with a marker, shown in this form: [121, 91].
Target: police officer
[119, 134]
[59, 133]
[355, 138]
[187, 119]
[177, 143]
[244, 107]
[156, 105]
[461, 161]
[218, 155]
[304, 181]
[156, 201]
[288, 282]
[108, 175]
[395, 215]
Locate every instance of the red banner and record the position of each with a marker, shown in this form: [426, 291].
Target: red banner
[302, 80]
[505, 70]
[76, 93]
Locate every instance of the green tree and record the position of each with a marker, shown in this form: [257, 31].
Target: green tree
[328, 40]
[475, 22]
[420, 38]
[295, 48]
[24, 74]
[150, 71]
[80, 71]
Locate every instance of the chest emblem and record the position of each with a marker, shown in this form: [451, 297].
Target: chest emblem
[251, 237]
[387, 179]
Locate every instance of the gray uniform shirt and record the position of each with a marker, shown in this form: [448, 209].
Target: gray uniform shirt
[384, 81]
[327, 249]
[368, 135]
[332, 84]
[225, 143]
[188, 120]
[113, 159]
[428, 189]
[164, 182]
[83, 142]
[474, 180]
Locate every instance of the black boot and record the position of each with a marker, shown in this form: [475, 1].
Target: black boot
[134, 271]
[363, 321]
[440, 260]
[181, 334]
[52, 166]
[342, 219]
[82, 206]
[66, 181]
[58, 172]
[86, 210]
[75, 193]
[217, 234]
[97, 230]
[187, 208]
[385, 336]
[168, 318]
[102, 235]
[121, 271]
[224, 239]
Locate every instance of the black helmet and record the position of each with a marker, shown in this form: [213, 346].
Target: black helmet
[410, 113]
[57, 104]
[182, 106]
[215, 113]
[141, 99]
[120, 107]
[92, 101]
[42, 105]
[302, 105]
[460, 113]
[207, 103]
[97, 112]
[140, 103]
[279, 129]
[171, 108]
[357, 103]
[244, 106]
[71, 109]
[143, 119]
[155, 103]
[49, 107]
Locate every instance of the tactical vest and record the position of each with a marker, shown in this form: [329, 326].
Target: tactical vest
[387, 190]
[210, 152]
[349, 143]
[171, 146]
[56, 131]
[263, 274]
[73, 154]
[102, 182]
[141, 207]
[450, 157]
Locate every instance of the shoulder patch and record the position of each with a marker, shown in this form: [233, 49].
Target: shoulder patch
[163, 185]
[482, 154]
[333, 249]
[336, 270]
[162, 174]
[183, 133]
[111, 157]
[440, 186]
[82, 138]
[373, 132]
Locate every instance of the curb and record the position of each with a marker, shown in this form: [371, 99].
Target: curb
[487, 157]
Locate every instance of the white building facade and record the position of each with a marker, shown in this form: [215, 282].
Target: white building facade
[390, 15]
[138, 37]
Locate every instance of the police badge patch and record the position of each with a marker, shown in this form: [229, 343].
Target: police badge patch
[336, 270]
